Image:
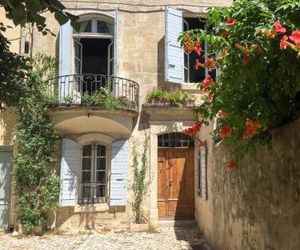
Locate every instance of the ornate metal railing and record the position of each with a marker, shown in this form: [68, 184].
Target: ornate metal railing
[76, 89]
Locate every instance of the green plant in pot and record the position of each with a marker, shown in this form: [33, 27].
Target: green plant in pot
[157, 96]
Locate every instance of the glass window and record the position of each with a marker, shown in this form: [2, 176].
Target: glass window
[86, 26]
[175, 140]
[105, 27]
[93, 174]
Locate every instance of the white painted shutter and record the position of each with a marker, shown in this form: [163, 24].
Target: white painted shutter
[119, 169]
[65, 49]
[65, 61]
[174, 55]
[69, 172]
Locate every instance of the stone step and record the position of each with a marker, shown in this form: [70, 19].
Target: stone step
[177, 223]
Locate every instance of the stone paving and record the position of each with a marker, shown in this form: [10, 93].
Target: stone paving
[169, 238]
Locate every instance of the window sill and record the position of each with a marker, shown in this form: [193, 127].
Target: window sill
[91, 208]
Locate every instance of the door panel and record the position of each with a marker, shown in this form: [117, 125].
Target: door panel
[5, 177]
[176, 183]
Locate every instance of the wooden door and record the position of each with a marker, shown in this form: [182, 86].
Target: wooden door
[176, 199]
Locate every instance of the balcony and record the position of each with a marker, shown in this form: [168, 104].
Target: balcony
[94, 103]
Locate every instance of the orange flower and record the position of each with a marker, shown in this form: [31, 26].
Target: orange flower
[198, 64]
[283, 42]
[231, 165]
[225, 131]
[207, 81]
[252, 128]
[279, 28]
[198, 48]
[230, 21]
[225, 33]
[295, 37]
[270, 34]
[244, 49]
[210, 63]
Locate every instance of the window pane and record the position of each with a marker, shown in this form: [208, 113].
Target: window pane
[100, 192]
[101, 164]
[86, 177]
[86, 26]
[104, 27]
[86, 192]
[101, 177]
[100, 150]
[87, 150]
[86, 163]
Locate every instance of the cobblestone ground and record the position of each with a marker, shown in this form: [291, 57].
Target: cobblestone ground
[166, 238]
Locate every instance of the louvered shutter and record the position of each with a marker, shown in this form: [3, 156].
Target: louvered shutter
[119, 169]
[66, 83]
[69, 172]
[174, 56]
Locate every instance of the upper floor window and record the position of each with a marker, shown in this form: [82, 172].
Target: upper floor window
[91, 50]
[96, 26]
[179, 66]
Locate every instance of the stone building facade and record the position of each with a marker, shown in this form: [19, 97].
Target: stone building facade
[130, 41]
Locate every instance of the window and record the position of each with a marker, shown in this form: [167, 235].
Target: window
[93, 174]
[175, 140]
[202, 172]
[179, 66]
[94, 50]
[89, 51]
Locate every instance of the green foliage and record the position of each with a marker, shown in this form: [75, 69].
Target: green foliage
[258, 81]
[174, 97]
[36, 183]
[102, 98]
[140, 185]
[22, 12]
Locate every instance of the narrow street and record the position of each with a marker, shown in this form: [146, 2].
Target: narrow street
[178, 238]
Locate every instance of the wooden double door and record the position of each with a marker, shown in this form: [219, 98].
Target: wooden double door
[176, 196]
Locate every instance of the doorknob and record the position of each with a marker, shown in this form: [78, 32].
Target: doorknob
[169, 183]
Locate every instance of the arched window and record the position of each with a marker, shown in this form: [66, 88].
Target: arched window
[97, 26]
[175, 140]
[93, 174]
[94, 46]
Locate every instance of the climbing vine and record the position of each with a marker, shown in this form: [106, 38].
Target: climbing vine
[256, 47]
[36, 182]
[140, 185]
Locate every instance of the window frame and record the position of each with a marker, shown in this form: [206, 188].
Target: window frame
[93, 184]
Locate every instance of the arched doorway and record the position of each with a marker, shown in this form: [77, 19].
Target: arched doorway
[175, 185]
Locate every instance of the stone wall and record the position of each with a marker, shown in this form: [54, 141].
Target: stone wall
[256, 206]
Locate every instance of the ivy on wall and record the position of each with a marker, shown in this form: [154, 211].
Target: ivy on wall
[140, 184]
[37, 184]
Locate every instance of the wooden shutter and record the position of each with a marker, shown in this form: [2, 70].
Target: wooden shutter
[69, 172]
[174, 56]
[119, 169]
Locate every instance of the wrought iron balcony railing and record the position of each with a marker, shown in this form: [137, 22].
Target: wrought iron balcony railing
[95, 90]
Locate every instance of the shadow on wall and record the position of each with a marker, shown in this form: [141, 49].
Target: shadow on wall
[89, 219]
[7, 126]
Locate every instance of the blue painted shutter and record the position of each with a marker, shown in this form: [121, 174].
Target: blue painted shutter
[69, 172]
[68, 87]
[119, 169]
[174, 56]
[5, 177]
[65, 49]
